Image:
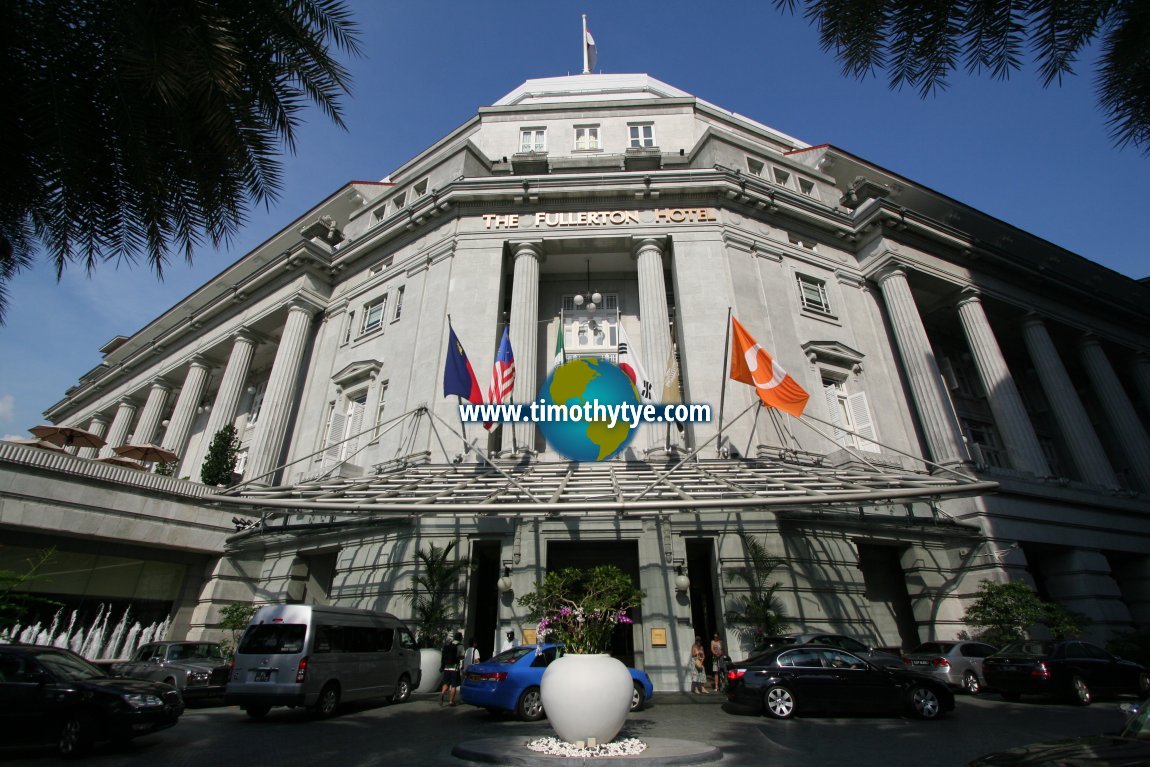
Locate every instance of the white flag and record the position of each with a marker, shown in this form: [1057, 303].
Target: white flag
[592, 55]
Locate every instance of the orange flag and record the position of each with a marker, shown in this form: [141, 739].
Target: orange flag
[750, 364]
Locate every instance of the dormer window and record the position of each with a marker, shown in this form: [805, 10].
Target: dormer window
[420, 189]
[642, 136]
[755, 166]
[399, 200]
[533, 140]
[782, 178]
[587, 138]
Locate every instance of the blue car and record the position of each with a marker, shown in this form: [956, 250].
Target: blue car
[510, 682]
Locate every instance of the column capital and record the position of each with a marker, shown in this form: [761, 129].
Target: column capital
[969, 295]
[99, 418]
[1088, 339]
[893, 269]
[127, 401]
[301, 303]
[641, 244]
[246, 334]
[1033, 320]
[527, 248]
[160, 383]
[200, 361]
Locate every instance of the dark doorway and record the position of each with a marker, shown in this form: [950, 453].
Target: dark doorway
[484, 598]
[586, 554]
[885, 583]
[705, 614]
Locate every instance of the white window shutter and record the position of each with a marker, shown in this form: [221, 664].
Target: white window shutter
[335, 433]
[354, 424]
[830, 393]
[864, 424]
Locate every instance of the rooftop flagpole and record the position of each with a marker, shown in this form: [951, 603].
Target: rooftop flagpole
[583, 42]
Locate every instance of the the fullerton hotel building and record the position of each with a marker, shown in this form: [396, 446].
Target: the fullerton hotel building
[979, 406]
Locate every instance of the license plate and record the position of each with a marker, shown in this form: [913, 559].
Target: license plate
[921, 662]
[263, 675]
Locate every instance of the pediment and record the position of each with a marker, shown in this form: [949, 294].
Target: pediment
[834, 353]
[360, 370]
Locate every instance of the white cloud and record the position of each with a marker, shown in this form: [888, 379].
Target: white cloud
[7, 408]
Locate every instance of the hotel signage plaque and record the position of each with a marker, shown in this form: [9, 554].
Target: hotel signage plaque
[610, 218]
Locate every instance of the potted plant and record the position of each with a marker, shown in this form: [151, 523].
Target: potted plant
[585, 692]
[758, 611]
[435, 599]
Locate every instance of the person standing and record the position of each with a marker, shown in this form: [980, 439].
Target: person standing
[697, 668]
[716, 658]
[452, 658]
[509, 642]
[471, 654]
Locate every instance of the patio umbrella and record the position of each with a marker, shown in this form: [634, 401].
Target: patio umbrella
[118, 461]
[146, 452]
[68, 436]
[42, 444]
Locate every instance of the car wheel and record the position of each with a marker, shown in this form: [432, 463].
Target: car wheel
[530, 705]
[77, 736]
[1012, 696]
[924, 702]
[170, 681]
[328, 701]
[257, 712]
[779, 702]
[637, 697]
[970, 683]
[1081, 691]
[402, 690]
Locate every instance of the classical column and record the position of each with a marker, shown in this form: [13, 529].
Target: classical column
[99, 427]
[118, 431]
[180, 424]
[654, 321]
[1010, 416]
[231, 385]
[1141, 368]
[1082, 442]
[280, 394]
[936, 416]
[1119, 410]
[524, 331]
[152, 412]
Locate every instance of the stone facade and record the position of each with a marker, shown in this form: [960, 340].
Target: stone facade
[935, 336]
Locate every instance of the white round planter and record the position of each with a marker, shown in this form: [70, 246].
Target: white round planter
[586, 697]
[429, 660]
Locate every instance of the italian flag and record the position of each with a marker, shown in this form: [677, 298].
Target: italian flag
[558, 348]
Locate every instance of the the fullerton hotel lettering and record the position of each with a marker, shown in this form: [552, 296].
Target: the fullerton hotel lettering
[599, 218]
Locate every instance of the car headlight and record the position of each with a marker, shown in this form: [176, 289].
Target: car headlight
[199, 677]
[143, 700]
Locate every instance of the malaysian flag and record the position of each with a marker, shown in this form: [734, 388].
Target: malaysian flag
[502, 375]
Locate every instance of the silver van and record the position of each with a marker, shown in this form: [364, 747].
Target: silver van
[318, 657]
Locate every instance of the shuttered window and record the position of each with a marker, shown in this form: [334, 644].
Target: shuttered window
[850, 413]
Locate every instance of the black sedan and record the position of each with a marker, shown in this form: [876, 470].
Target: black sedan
[1128, 748]
[52, 695]
[1062, 668]
[790, 680]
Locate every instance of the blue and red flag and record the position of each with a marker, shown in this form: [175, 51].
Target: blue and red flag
[458, 377]
[502, 375]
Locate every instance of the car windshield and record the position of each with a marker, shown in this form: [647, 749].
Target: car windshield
[1139, 726]
[273, 638]
[66, 667]
[933, 648]
[515, 653]
[1027, 647]
[197, 651]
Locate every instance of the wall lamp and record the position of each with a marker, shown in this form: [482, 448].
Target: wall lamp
[504, 583]
[682, 582]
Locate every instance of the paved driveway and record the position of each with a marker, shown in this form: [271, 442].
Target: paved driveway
[421, 733]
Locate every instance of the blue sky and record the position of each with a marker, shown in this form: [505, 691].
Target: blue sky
[1039, 159]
